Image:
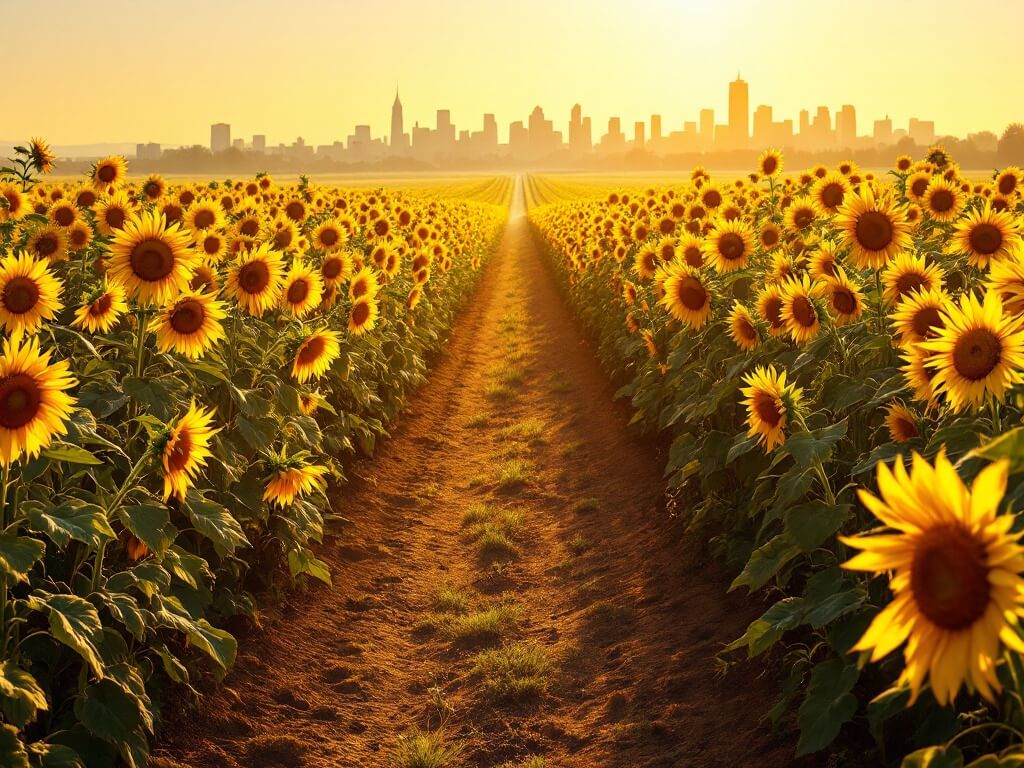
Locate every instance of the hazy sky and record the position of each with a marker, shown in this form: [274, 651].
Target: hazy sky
[82, 71]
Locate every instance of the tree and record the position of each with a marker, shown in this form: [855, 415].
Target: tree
[1011, 145]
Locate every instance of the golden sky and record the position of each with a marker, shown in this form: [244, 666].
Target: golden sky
[135, 70]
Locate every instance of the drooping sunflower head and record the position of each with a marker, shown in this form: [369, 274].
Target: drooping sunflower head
[315, 355]
[742, 328]
[954, 567]
[41, 156]
[771, 405]
[14, 205]
[34, 402]
[153, 261]
[979, 352]
[184, 449]
[901, 422]
[191, 325]
[289, 479]
[102, 309]
[255, 279]
[29, 294]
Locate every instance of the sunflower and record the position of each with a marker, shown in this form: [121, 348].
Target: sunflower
[873, 227]
[309, 402]
[362, 315]
[296, 209]
[917, 185]
[918, 374]
[102, 310]
[769, 236]
[901, 422]
[770, 163]
[287, 482]
[800, 214]
[769, 307]
[918, 316]
[303, 289]
[29, 294]
[154, 187]
[829, 192]
[255, 279]
[14, 205]
[41, 155]
[49, 242]
[109, 172]
[824, 260]
[414, 297]
[335, 268]
[799, 311]
[845, 300]
[315, 355]
[943, 200]
[986, 235]
[153, 261]
[1008, 180]
[908, 273]
[204, 279]
[203, 216]
[953, 565]
[64, 213]
[978, 353]
[363, 283]
[80, 236]
[1006, 277]
[34, 404]
[185, 449]
[112, 212]
[742, 329]
[771, 405]
[729, 246]
[191, 326]
[211, 246]
[686, 297]
[329, 236]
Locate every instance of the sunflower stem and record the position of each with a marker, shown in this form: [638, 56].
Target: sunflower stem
[3, 593]
[997, 423]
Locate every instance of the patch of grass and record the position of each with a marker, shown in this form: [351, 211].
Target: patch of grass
[478, 421]
[604, 613]
[513, 474]
[498, 391]
[420, 749]
[495, 543]
[432, 622]
[530, 429]
[429, 490]
[559, 384]
[476, 480]
[578, 545]
[508, 375]
[585, 505]
[440, 705]
[484, 627]
[449, 599]
[533, 761]
[477, 514]
[511, 450]
[567, 450]
[514, 672]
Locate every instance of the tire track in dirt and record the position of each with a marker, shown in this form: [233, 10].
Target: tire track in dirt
[512, 484]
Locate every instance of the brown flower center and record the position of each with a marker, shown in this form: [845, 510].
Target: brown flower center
[283, 239]
[832, 195]
[152, 260]
[64, 216]
[188, 316]
[178, 451]
[773, 311]
[977, 353]
[20, 399]
[115, 218]
[311, 350]
[1007, 184]
[691, 294]
[731, 246]
[768, 408]
[47, 245]
[926, 320]
[249, 227]
[298, 291]
[803, 312]
[106, 174]
[101, 306]
[329, 237]
[254, 277]
[295, 210]
[712, 198]
[770, 165]
[20, 295]
[909, 281]
[802, 217]
[204, 219]
[331, 268]
[874, 230]
[942, 200]
[919, 187]
[360, 313]
[949, 577]
[769, 236]
[693, 256]
[986, 239]
[844, 301]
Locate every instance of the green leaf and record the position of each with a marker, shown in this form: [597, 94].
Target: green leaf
[20, 694]
[218, 644]
[827, 706]
[74, 622]
[151, 393]
[1009, 445]
[72, 520]
[46, 755]
[12, 751]
[17, 556]
[764, 632]
[109, 712]
[148, 522]
[810, 524]
[816, 445]
[70, 454]
[303, 561]
[215, 523]
[934, 757]
[766, 561]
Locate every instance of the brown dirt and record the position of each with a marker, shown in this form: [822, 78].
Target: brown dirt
[628, 611]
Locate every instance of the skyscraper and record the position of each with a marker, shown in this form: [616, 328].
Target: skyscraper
[638, 134]
[707, 128]
[399, 138]
[576, 129]
[259, 142]
[220, 137]
[739, 112]
[846, 126]
[655, 128]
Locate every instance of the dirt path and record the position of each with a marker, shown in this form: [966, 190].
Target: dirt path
[511, 510]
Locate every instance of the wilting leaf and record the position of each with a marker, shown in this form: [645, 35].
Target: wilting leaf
[17, 556]
[20, 694]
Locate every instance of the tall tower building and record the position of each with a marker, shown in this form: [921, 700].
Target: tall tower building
[576, 129]
[739, 112]
[220, 137]
[399, 139]
[846, 126]
[707, 128]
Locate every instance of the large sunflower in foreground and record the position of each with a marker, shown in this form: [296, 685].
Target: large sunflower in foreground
[986, 235]
[102, 310]
[954, 569]
[873, 228]
[255, 279]
[686, 297]
[185, 450]
[34, 403]
[978, 353]
[29, 294]
[771, 404]
[151, 260]
[191, 326]
[315, 355]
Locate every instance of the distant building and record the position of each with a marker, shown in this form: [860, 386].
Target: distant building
[238, 144]
[638, 134]
[707, 128]
[921, 131]
[399, 138]
[739, 113]
[220, 137]
[883, 131]
[149, 151]
[846, 126]
[655, 128]
[259, 143]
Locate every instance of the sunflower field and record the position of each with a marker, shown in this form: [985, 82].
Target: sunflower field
[181, 368]
[837, 358]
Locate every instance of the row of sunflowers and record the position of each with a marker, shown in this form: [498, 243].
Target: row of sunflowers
[183, 368]
[837, 356]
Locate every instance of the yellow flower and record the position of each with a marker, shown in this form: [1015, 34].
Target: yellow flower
[686, 297]
[109, 172]
[771, 404]
[901, 421]
[186, 450]
[362, 315]
[151, 260]
[873, 227]
[315, 355]
[288, 482]
[255, 279]
[29, 294]
[102, 311]
[303, 289]
[954, 569]
[191, 326]
[798, 311]
[987, 235]
[729, 246]
[742, 329]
